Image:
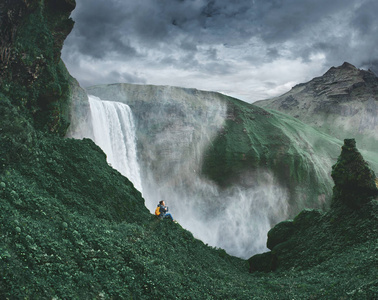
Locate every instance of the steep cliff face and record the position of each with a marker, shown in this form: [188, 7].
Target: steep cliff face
[343, 103]
[32, 75]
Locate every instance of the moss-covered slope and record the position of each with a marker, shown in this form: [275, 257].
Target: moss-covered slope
[253, 138]
[72, 227]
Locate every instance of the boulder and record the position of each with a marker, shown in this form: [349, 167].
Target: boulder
[280, 233]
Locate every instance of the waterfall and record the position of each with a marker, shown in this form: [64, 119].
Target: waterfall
[114, 131]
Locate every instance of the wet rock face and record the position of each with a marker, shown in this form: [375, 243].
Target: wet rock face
[355, 182]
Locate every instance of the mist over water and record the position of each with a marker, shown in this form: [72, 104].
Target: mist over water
[236, 219]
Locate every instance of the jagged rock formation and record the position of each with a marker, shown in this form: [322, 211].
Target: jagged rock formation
[343, 103]
[314, 236]
[355, 182]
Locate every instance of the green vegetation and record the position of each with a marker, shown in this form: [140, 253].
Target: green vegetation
[74, 227]
[71, 227]
[32, 73]
[253, 138]
[342, 240]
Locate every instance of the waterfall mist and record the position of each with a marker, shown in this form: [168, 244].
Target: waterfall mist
[173, 131]
[236, 219]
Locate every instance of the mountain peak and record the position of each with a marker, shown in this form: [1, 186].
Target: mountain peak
[343, 103]
[347, 65]
[346, 70]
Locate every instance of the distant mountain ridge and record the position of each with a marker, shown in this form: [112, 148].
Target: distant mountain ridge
[343, 103]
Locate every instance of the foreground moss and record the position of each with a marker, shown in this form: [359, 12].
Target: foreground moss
[73, 227]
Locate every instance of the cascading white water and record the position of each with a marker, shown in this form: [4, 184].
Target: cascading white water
[114, 132]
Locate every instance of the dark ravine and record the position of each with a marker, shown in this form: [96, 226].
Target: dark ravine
[71, 227]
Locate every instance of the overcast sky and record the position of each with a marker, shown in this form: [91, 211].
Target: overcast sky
[249, 49]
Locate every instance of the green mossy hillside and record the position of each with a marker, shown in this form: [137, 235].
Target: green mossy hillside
[253, 138]
[73, 227]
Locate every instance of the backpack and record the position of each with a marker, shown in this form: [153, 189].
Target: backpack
[157, 211]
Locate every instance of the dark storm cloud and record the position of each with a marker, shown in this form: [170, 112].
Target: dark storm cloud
[108, 27]
[209, 36]
[365, 18]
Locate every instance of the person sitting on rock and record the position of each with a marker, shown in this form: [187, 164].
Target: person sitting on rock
[164, 211]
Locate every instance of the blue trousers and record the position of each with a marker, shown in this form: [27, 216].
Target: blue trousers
[168, 216]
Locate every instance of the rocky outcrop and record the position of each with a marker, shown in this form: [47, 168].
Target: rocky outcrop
[32, 74]
[313, 236]
[355, 182]
[343, 103]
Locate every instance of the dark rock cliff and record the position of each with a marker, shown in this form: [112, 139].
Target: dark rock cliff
[314, 236]
[32, 74]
